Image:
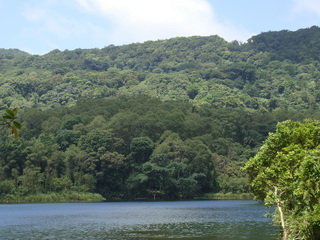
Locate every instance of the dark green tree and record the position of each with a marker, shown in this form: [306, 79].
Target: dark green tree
[141, 149]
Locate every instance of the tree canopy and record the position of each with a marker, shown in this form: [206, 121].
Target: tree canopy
[273, 70]
[285, 172]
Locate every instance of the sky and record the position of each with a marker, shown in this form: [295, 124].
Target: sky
[40, 26]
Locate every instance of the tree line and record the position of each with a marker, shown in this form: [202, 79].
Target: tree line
[133, 147]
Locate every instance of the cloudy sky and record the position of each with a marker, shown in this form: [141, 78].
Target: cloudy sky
[39, 26]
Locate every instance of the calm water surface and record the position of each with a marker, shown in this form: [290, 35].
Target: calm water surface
[221, 220]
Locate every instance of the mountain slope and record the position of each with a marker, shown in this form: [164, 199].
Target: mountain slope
[274, 70]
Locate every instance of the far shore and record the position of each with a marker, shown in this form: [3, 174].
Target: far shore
[65, 197]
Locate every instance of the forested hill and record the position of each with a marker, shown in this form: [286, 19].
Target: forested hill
[301, 46]
[172, 118]
[273, 70]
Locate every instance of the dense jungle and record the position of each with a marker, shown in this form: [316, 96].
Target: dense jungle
[167, 119]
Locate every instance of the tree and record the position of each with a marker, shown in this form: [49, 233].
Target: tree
[96, 139]
[12, 158]
[65, 138]
[200, 162]
[171, 144]
[286, 173]
[110, 172]
[141, 149]
[158, 177]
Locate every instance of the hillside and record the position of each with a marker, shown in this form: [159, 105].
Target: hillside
[172, 118]
[273, 70]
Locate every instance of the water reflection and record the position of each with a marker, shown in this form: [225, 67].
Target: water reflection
[137, 220]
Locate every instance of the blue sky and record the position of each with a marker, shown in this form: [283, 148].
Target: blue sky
[41, 26]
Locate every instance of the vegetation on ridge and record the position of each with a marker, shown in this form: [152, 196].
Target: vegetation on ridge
[263, 74]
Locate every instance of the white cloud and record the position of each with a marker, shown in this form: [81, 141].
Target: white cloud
[307, 6]
[140, 20]
[98, 23]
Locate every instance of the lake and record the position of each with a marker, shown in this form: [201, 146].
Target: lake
[214, 219]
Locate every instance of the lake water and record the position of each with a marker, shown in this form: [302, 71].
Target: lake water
[216, 219]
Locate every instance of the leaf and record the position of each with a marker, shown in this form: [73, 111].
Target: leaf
[14, 132]
[15, 110]
[10, 113]
[7, 117]
[17, 125]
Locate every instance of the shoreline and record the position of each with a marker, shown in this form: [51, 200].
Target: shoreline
[73, 197]
[53, 197]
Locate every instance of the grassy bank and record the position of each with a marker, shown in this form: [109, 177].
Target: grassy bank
[72, 196]
[229, 196]
[51, 197]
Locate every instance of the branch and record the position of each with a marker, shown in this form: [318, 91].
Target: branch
[282, 218]
[9, 120]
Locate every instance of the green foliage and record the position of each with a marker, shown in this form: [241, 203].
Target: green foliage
[297, 46]
[94, 140]
[135, 147]
[141, 148]
[130, 147]
[273, 70]
[9, 120]
[160, 119]
[67, 196]
[285, 173]
[229, 196]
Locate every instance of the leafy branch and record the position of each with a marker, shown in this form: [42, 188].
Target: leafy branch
[9, 120]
